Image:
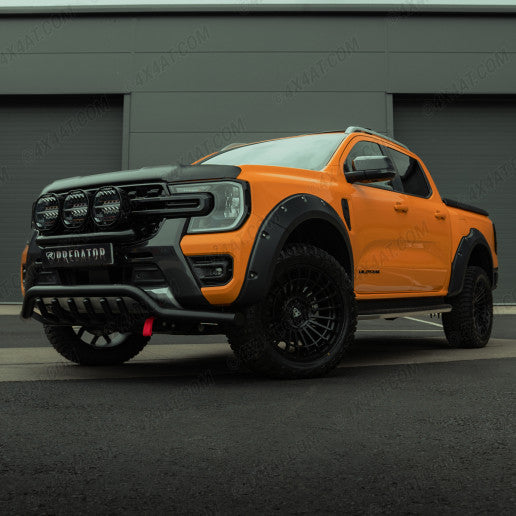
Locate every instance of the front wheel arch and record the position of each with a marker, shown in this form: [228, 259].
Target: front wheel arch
[273, 235]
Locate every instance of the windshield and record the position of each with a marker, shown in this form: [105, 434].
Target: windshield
[311, 152]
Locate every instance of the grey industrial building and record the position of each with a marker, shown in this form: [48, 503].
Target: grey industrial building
[99, 88]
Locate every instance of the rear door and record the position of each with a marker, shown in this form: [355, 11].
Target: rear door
[427, 237]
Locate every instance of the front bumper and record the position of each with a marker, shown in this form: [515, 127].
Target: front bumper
[109, 305]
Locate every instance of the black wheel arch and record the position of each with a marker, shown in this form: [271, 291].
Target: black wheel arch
[285, 223]
[473, 249]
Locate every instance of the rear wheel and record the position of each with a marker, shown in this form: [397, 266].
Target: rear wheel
[306, 323]
[469, 323]
[92, 347]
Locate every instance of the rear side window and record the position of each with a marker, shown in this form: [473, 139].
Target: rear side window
[413, 179]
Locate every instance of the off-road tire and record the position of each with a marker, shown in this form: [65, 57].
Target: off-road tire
[257, 344]
[73, 348]
[469, 323]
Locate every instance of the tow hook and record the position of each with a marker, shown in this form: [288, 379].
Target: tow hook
[147, 327]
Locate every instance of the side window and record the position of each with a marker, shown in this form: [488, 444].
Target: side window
[413, 179]
[368, 149]
[361, 149]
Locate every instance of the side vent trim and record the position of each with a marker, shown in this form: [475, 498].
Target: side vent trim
[345, 212]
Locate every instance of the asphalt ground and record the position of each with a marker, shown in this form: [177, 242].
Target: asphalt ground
[404, 426]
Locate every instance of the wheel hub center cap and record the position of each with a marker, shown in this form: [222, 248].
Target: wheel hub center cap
[296, 313]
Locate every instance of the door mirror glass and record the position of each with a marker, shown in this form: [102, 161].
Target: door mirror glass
[372, 163]
[371, 169]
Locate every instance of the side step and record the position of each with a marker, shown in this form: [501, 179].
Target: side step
[392, 308]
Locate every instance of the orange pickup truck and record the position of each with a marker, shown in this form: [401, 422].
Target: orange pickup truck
[281, 245]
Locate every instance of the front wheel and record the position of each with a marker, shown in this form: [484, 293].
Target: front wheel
[94, 347]
[469, 323]
[307, 321]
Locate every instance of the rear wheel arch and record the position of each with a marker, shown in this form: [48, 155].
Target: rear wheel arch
[481, 257]
[473, 250]
[286, 224]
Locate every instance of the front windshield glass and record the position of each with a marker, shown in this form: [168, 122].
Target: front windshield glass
[311, 152]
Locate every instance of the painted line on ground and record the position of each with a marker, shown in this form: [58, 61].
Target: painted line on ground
[423, 321]
[14, 309]
[401, 331]
[189, 360]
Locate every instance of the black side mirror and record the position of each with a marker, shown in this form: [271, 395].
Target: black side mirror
[371, 169]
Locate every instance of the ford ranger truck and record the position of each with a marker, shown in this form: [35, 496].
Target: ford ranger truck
[281, 245]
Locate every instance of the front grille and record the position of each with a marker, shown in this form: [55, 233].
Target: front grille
[175, 205]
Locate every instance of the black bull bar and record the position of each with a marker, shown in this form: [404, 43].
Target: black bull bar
[101, 303]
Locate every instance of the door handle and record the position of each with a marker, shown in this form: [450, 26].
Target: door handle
[402, 208]
[439, 215]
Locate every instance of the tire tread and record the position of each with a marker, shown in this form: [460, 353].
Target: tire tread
[70, 346]
[247, 341]
[458, 324]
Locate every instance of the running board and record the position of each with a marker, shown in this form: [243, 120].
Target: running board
[392, 308]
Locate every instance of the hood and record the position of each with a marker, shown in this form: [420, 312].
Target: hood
[164, 173]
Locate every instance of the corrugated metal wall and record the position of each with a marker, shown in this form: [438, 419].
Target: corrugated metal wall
[198, 82]
[469, 146]
[44, 138]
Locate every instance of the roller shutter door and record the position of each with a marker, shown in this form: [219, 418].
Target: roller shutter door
[469, 146]
[43, 138]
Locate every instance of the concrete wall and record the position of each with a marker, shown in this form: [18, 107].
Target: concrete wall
[196, 82]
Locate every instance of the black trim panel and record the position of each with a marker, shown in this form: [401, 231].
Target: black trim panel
[165, 248]
[370, 307]
[169, 174]
[460, 262]
[345, 212]
[272, 235]
[101, 237]
[466, 207]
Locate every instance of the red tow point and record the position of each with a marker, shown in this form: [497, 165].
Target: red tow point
[147, 327]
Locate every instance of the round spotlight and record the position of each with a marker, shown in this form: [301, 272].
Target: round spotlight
[75, 210]
[46, 212]
[107, 207]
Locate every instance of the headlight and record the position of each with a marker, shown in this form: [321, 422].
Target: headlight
[46, 212]
[229, 207]
[107, 207]
[75, 210]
